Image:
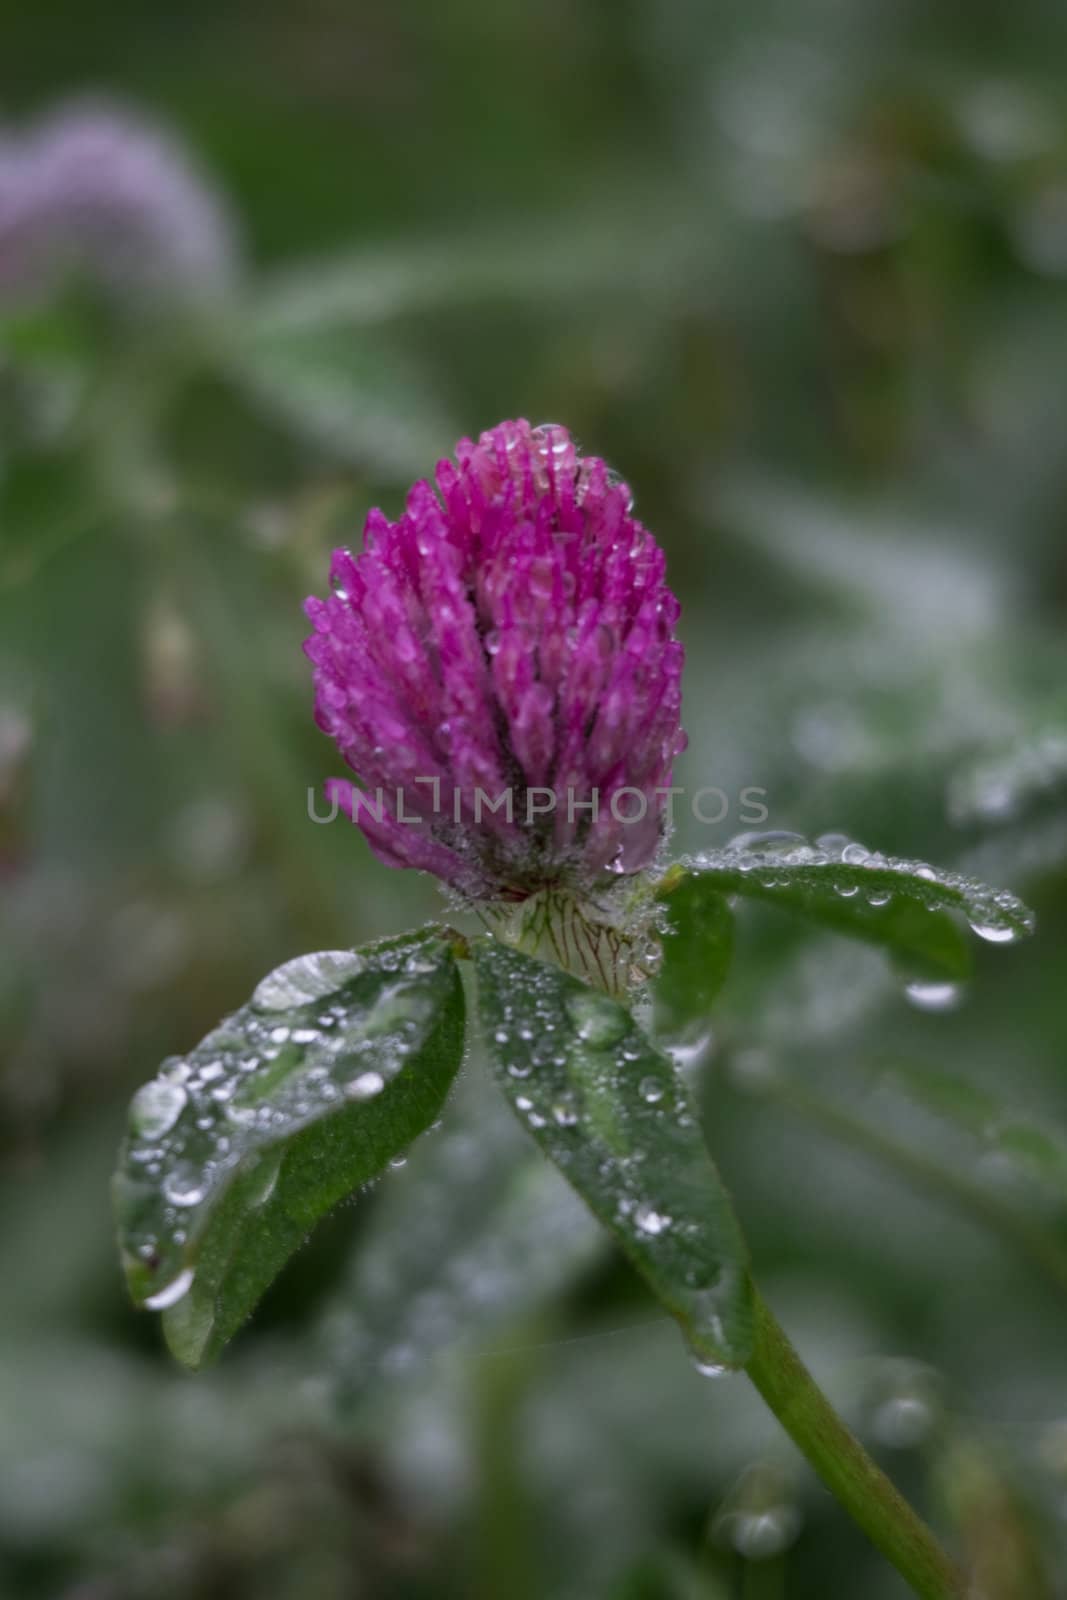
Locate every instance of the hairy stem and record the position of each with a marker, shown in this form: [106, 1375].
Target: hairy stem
[860, 1486]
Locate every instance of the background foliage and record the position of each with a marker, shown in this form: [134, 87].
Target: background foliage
[800, 271]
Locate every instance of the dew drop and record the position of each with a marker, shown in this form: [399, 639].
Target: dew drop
[927, 996]
[597, 1020]
[156, 1108]
[995, 932]
[903, 1421]
[418, 965]
[688, 1050]
[651, 1090]
[365, 1087]
[306, 978]
[174, 1291]
[759, 1535]
[651, 1221]
[771, 839]
[183, 1186]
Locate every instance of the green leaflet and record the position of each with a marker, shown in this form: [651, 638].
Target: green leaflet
[698, 946]
[613, 1114]
[236, 1150]
[908, 907]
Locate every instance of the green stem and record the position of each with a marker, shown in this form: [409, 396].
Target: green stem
[844, 1466]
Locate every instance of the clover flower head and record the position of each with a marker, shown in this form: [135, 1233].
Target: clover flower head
[96, 191]
[500, 669]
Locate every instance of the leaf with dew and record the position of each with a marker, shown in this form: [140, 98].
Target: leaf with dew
[697, 941]
[613, 1113]
[910, 908]
[237, 1149]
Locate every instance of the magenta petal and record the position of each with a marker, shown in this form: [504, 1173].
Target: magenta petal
[402, 844]
[510, 637]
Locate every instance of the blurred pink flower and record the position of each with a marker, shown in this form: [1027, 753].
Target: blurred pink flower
[93, 191]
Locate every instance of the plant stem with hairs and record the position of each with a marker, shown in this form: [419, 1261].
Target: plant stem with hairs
[844, 1466]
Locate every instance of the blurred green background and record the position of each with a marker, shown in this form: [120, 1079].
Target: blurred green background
[800, 272]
